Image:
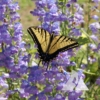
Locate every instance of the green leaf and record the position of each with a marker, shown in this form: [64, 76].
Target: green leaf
[82, 40]
[31, 51]
[93, 67]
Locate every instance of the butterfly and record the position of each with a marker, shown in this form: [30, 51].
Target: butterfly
[50, 45]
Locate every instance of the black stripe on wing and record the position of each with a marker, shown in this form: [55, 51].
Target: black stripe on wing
[32, 34]
[68, 47]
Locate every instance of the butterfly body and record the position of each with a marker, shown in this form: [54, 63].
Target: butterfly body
[50, 45]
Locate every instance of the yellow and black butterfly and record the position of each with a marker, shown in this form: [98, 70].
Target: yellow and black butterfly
[50, 45]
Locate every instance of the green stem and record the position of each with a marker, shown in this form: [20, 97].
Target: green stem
[88, 22]
[89, 73]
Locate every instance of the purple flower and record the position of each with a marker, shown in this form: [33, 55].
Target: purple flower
[5, 35]
[94, 27]
[95, 38]
[46, 26]
[6, 2]
[93, 47]
[76, 32]
[36, 75]
[13, 7]
[17, 29]
[31, 89]
[3, 83]
[14, 75]
[3, 87]
[80, 99]
[62, 17]
[92, 60]
[11, 92]
[80, 74]
[48, 13]
[68, 5]
[78, 19]
[74, 95]
[3, 98]
[48, 79]
[33, 97]
[50, 3]
[23, 94]
[11, 50]
[55, 27]
[38, 12]
[14, 16]
[63, 59]
[98, 47]
[59, 97]
[59, 86]
[95, 17]
[79, 9]
[96, 1]
[22, 69]
[50, 98]
[10, 40]
[41, 96]
[53, 10]
[98, 81]
[40, 3]
[83, 66]
[72, 1]
[2, 9]
[48, 88]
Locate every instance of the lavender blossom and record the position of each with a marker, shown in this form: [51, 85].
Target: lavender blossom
[77, 17]
[95, 17]
[98, 81]
[94, 27]
[32, 81]
[49, 14]
[74, 95]
[95, 38]
[10, 40]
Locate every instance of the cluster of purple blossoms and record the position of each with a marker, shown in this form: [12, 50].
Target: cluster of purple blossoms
[94, 28]
[35, 82]
[93, 47]
[63, 59]
[3, 85]
[75, 18]
[49, 15]
[94, 36]
[46, 83]
[11, 57]
[43, 85]
[98, 81]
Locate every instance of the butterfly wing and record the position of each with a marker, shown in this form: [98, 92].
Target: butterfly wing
[60, 44]
[41, 38]
[50, 45]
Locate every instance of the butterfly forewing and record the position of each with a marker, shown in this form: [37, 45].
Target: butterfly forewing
[40, 37]
[62, 43]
